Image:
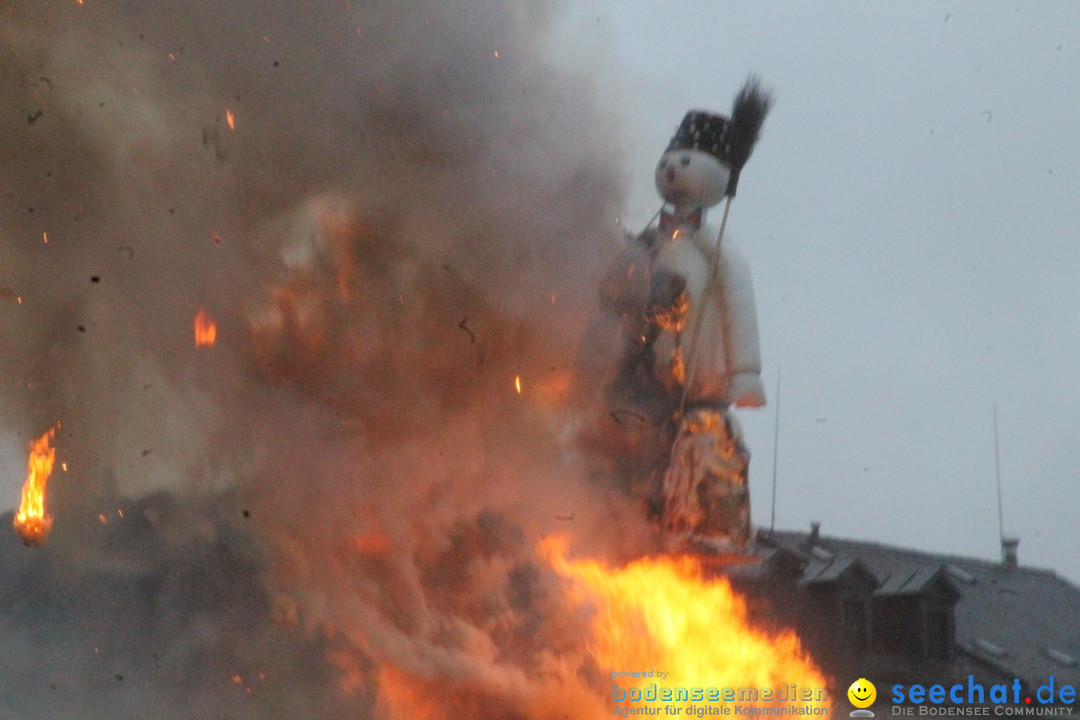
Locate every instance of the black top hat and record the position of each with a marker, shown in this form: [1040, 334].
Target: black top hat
[729, 141]
[702, 131]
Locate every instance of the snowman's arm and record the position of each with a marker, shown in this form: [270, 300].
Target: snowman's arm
[741, 332]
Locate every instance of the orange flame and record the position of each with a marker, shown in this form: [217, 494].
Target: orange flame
[32, 522]
[205, 329]
[230, 119]
[517, 384]
[663, 614]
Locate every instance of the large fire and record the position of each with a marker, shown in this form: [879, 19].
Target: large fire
[32, 522]
[661, 627]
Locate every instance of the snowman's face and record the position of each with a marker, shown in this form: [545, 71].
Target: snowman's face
[691, 178]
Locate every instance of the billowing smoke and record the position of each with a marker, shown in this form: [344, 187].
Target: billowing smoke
[394, 212]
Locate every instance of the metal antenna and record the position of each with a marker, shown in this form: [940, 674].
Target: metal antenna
[997, 473]
[775, 451]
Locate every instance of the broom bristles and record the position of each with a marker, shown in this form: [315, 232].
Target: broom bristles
[748, 113]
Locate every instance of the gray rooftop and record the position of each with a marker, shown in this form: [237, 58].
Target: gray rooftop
[1024, 622]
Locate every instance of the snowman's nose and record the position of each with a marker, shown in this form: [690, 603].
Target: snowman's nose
[670, 174]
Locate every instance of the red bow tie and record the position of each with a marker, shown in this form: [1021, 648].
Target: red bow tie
[668, 221]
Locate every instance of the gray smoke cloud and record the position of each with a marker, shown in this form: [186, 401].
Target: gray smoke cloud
[392, 210]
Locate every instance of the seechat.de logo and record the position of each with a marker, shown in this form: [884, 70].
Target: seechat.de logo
[862, 694]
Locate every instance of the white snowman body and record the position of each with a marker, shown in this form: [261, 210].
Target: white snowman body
[726, 362]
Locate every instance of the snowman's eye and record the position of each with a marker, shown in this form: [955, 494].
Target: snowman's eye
[685, 161]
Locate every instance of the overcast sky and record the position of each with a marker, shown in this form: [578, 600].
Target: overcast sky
[911, 217]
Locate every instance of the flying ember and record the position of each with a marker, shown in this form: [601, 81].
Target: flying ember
[205, 329]
[661, 627]
[32, 522]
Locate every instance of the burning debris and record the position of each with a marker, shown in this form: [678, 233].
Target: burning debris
[32, 522]
[205, 329]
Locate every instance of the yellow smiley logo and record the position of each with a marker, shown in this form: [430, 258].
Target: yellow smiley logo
[862, 693]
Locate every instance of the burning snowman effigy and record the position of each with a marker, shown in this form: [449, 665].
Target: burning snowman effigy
[690, 340]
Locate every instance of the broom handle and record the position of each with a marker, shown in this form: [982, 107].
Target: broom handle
[691, 364]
